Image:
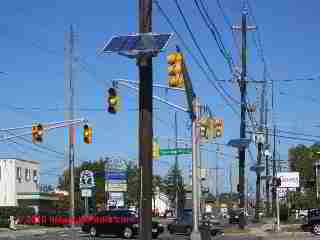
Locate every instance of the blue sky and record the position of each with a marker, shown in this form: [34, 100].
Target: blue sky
[32, 39]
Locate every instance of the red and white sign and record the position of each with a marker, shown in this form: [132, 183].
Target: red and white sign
[289, 179]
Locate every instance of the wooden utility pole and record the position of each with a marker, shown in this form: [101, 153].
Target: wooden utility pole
[145, 125]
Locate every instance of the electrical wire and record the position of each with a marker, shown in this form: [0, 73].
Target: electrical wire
[193, 56]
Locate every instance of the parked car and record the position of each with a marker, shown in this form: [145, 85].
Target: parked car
[124, 223]
[182, 225]
[313, 221]
[234, 216]
[210, 218]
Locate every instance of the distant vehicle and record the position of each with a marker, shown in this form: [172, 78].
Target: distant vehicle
[313, 221]
[210, 218]
[124, 223]
[234, 216]
[182, 225]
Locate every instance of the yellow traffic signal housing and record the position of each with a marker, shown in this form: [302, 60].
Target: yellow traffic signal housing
[155, 150]
[34, 133]
[113, 101]
[219, 127]
[39, 132]
[175, 70]
[204, 127]
[87, 134]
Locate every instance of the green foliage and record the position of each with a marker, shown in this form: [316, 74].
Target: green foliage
[64, 183]
[173, 183]
[302, 159]
[283, 213]
[6, 212]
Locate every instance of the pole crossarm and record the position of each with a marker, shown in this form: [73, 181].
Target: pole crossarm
[116, 81]
[157, 98]
[68, 124]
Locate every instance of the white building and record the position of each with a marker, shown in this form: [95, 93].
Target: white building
[160, 203]
[19, 183]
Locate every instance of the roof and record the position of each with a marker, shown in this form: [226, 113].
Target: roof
[21, 160]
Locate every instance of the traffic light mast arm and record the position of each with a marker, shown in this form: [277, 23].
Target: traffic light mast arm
[157, 98]
[154, 85]
[188, 88]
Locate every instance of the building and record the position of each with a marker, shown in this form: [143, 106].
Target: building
[160, 203]
[20, 184]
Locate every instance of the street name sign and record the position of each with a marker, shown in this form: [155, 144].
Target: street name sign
[175, 151]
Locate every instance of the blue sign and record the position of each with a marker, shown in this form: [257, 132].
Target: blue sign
[116, 175]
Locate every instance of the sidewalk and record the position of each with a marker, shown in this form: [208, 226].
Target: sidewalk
[37, 230]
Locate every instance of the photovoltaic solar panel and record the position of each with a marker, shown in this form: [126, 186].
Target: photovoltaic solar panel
[142, 42]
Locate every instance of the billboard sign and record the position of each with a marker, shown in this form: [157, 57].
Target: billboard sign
[289, 179]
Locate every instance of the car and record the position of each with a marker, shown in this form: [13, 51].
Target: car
[210, 219]
[313, 221]
[182, 225]
[234, 216]
[124, 223]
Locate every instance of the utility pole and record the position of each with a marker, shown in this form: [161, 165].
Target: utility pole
[176, 162]
[260, 147]
[267, 161]
[243, 89]
[69, 116]
[274, 170]
[145, 125]
[217, 188]
[195, 235]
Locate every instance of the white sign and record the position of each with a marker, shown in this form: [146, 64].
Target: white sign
[289, 179]
[87, 179]
[116, 187]
[86, 192]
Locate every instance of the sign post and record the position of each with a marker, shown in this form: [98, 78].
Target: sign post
[86, 184]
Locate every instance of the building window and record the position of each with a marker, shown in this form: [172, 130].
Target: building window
[35, 176]
[19, 177]
[28, 174]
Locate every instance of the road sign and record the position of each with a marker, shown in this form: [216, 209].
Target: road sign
[119, 175]
[175, 151]
[86, 192]
[116, 187]
[142, 43]
[239, 143]
[86, 179]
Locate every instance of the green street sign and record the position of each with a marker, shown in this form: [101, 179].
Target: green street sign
[175, 151]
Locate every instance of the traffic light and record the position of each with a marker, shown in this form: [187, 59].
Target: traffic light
[37, 133]
[34, 133]
[175, 70]
[238, 187]
[113, 101]
[276, 182]
[87, 134]
[203, 127]
[155, 150]
[218, 127]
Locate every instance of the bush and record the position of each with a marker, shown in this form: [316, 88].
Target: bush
[284, 213]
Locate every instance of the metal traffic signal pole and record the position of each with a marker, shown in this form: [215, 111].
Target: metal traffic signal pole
[145, 125]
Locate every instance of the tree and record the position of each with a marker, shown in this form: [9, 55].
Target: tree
[173, 187]
[64, 184]
[302, 159]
